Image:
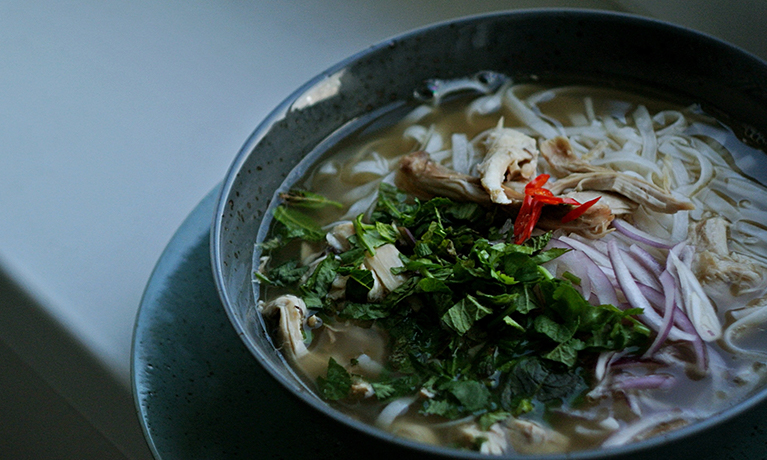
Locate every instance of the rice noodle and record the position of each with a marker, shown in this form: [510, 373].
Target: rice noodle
[628, 433]
[393, 410]
[736, 329]
[527, 116]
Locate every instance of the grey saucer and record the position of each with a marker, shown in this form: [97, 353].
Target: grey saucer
[200, 393]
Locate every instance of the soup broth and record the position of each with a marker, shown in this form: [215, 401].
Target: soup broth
[666, 246]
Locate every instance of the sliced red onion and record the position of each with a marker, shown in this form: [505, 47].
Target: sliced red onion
[684, 252]
[640, 273]
[630, 289]
[574, 262]
[646, 259]
[683, 328]
[669, 291]
[645, 382]
[598, 282]
[598, 258]
[638, 235]
[600, 371]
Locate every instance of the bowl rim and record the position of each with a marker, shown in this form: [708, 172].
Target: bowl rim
[279, 113]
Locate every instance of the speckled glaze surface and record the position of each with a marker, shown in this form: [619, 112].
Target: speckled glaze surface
[570, 45]
[200, 393]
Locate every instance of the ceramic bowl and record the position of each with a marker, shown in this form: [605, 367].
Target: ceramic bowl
[551, 45]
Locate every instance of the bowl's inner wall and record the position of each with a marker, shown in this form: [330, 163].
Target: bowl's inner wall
[604, 48]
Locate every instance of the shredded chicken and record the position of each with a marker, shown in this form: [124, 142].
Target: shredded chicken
[633, 188]
[292, 311]
[715, 263]
[559, 154]
[618, 204]
[420, 176]
[576, 174]
[424, 178]
[362, 390]
[510, 156]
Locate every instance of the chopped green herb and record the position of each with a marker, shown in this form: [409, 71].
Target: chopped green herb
[307, 199]
[298, 225]
[337, 383]
[479, 322]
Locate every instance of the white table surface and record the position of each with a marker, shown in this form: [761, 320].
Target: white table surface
[116, 118]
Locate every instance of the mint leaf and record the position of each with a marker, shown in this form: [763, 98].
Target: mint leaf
[337, 383]
[307, 199]
[371, 236]
[298, 225]
[359, 284]
[363, 311]
[318, 284]
[472, 395]
[286, 274]
[462, 316]
[557, 332]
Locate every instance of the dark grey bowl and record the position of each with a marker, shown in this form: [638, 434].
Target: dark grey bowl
[557, 45]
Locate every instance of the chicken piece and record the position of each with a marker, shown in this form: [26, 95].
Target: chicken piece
[292, 311]
[493, 440]
[713, 261]
[633, 188]
[378, 291]
[594, 223]
[559, 154]
[362, 390]
[338, 236]
[422, 177]
[532, 438]
[510, 156]
[618, 204]
[386, 258]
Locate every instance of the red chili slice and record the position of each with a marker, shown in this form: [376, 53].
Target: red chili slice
[535, 198]
[579, 210]
[538, 182]
[523, 220]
